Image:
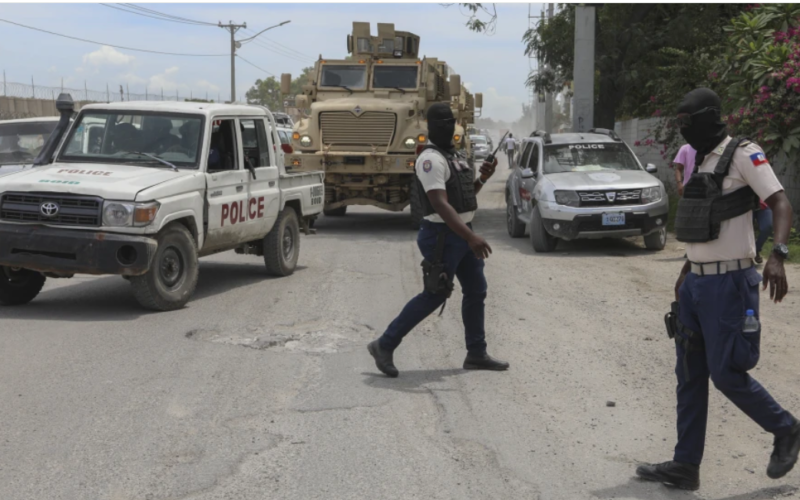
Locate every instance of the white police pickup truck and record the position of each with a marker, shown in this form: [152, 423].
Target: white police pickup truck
[142, 189]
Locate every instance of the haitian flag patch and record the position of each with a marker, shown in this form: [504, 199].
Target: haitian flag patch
[758, 159]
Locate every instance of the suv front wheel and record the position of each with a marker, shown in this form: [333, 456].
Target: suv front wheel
[541, 240]
[657, 240]
[516, 228]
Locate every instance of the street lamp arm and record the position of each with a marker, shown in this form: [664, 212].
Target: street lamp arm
[262, 31]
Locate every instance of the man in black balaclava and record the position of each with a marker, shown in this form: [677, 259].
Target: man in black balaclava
[446, 194]
[717, 331]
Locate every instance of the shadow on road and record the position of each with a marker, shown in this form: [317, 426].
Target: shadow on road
[645, 490]
[411, 381]
[109, 298]
[363, 223]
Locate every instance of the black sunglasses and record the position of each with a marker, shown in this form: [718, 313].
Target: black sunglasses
[685, 119]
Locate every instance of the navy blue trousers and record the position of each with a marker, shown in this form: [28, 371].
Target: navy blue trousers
[459, 261]
[715, 306]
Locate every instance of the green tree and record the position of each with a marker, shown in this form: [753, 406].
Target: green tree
[266, 93]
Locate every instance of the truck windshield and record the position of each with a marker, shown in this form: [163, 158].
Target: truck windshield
[117, 137]
[351, 76]
[21, 142]
[394, 77]
[588, 157]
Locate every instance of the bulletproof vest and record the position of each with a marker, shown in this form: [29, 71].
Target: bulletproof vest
[460, 186]
[703, 207]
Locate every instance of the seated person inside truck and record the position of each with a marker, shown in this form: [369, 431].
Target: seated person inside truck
[158, 135]
[221, 153]
[127, 137]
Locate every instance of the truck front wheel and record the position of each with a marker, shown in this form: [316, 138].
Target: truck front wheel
[172, 278]
[282, 244]
[19, 286]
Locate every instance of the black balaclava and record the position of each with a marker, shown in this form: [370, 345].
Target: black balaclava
[707, 130]
[441, 132]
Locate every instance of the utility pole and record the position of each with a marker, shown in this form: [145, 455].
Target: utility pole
[233, 28]
[583, 71]
[235, 44]
[548, 99]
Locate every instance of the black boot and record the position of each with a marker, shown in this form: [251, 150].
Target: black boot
[679, 475]
[484, 362]
[383, 359]
[784, 454]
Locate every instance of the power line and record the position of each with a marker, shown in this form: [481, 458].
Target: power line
[110, 45]
[287, 49]
[284, 54]
[253, 65]
[123, 9]
[164, 15]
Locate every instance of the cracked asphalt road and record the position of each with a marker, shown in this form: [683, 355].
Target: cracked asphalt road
[263, 389]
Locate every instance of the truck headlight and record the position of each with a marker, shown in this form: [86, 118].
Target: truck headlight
[651, 195]
[410, 143]
[568, 198]
[121, 214]
[305, 141]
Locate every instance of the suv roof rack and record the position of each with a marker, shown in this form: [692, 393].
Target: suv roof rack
[605, 131]
[543, 134]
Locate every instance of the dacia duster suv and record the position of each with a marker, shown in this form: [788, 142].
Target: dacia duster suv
[584, 185]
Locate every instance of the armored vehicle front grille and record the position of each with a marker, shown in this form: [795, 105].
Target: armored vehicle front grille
[343, 128]
[70, 211]
[609, 198]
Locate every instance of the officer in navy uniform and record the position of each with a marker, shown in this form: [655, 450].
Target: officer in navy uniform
[447, 189]
[718, 286]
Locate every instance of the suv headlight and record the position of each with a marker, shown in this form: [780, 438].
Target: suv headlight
[120, 214]
[305, 141]
[651, 195]
[568, 198]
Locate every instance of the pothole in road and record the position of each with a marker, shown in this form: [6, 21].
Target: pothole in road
[315, 336]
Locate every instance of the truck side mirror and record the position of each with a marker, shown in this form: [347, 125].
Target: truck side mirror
[650, 168]
[301, 102]
[455, 85]
[286, 83]
[479, 100]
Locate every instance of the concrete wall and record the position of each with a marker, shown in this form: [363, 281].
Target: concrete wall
[18, 107]
[640, 130]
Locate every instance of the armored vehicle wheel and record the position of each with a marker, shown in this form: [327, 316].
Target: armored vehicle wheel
[19, 286]
[336, 212]
[415, 206]
[541, 240]
[516, 228]
[282, 244]
[172, 278]
[656, 241]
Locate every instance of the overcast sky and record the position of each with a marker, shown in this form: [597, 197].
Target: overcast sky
[494, 65]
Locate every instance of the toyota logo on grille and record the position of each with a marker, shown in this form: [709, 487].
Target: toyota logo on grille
[49, 209]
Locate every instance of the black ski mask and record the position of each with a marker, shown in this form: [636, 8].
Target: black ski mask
[700, 123]
[441, 126]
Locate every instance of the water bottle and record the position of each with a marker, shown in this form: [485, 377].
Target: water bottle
[751, 324]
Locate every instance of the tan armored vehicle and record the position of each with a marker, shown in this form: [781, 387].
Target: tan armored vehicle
[367, 118]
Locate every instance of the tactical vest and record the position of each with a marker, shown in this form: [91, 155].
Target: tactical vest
[703, 207]
[460, 186]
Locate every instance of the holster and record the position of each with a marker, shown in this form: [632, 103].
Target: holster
[671, 320]
[688, 339]
[434, 275]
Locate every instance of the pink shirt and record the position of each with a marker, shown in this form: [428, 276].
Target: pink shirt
[686, 157]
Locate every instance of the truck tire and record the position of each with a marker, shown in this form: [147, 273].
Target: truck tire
[336, 212]
[656, 241]
[516, 228]
[541, 240]
[19, 286]
[282, 244]
[172, 277]
[417, 213]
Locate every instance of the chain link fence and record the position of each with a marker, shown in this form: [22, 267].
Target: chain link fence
[111, 94]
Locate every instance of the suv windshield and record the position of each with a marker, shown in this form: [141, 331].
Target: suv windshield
[21, 142]
[560, 158]
[117, 137]
[394, 77]
[351, 76]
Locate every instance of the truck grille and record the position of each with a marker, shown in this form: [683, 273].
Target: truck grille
[343, 128]
[72, 210]
[610, 198]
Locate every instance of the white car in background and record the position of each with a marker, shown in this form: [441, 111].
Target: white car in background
[21, 141]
